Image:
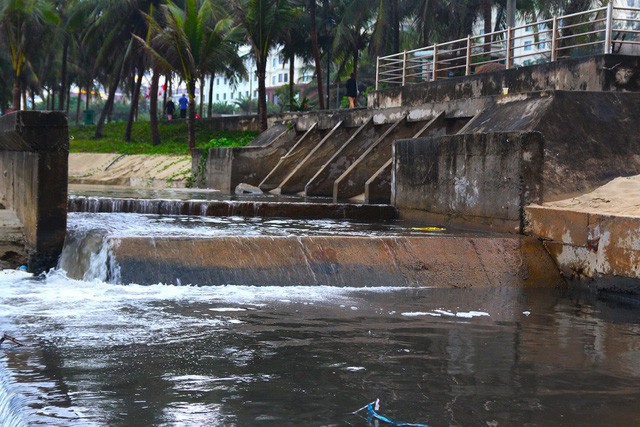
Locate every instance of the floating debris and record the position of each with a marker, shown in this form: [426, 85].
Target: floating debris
[428, 229]
[6, 337]
[372, 414]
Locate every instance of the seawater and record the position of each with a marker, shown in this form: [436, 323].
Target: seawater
[108, 354]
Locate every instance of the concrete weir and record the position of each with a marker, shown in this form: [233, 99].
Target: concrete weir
[440, 261]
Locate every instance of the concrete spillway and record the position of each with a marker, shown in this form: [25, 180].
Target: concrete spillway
[129, 248]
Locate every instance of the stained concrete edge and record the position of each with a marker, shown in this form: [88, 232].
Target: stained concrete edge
[599, 251]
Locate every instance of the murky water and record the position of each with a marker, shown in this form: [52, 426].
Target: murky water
[100, 354]
[112, 355]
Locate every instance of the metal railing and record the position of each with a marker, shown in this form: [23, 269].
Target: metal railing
[609, 29]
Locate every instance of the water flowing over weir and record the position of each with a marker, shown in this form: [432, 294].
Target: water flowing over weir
[148, 249]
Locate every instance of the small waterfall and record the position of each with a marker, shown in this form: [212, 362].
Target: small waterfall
[88, 255]
[141, 206]
[10, 405]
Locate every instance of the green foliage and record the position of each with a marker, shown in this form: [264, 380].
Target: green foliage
[172, 136]
[223, 108]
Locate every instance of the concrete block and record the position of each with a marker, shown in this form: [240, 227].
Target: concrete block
[558, 225]
[488, 176]
[34, 150]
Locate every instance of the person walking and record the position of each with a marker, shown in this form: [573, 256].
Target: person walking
[183, 102]
[352, 91]
[169, 109]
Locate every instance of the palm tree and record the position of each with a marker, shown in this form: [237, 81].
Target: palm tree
[189, 42]
[22, 21]
[353, 32]
[315, 47]
[263, 22]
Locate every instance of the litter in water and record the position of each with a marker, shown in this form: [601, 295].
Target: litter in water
[372, 414]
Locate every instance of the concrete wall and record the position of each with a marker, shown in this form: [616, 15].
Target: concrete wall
[596, 73]
[590, 137]
[599, 251]
[485, 179]
[34, 149]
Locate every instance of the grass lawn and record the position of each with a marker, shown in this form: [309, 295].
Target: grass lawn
[173, 137]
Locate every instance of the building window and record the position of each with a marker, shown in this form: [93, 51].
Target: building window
[527, 45]
[274, 62]
[217, 97]
[273, 80]
[224, 96]
[246, 94]
[255, 93]
[218, 82]
[279, 78]
[231, 96]
[286, 77]
[225, 81]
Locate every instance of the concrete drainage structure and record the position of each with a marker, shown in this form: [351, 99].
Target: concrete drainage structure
[460, 151]
[34, 150]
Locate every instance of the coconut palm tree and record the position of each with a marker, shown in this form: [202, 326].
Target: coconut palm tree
[189, 41]
[263, 22]
[22, 22]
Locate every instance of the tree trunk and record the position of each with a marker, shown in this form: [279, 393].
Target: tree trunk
[292, 88]
[201, 96]
[16, 94]
[486, 14]
[210, 106]
[191, 118]
[63, 73]
[316, 52]
[78, 106]
[262, 94]
[153, 108]
[109, 103]
[135, 98]
[395, 26]
[33, 100]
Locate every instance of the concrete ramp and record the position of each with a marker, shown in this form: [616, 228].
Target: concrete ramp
[352, 181]
[293, 157]
[321, 184]
[439, 261]
[296, 180]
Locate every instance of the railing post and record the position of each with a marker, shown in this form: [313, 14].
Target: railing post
[435, 62]
[468, 67]
[509, 48]
[404, 68]
[554, 40]
[377, 72]
[609, 29]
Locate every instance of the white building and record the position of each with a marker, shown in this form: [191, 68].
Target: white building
[277, 74]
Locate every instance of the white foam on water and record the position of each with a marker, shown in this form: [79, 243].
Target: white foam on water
[440, 313]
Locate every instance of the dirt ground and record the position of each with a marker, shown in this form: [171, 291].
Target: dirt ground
[132, 170]
[620, 196]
